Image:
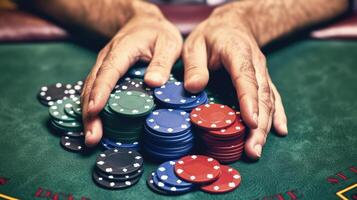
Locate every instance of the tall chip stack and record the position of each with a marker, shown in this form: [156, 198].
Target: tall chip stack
[167, 134]
[220, 130]
[124, 114]
[66, 119]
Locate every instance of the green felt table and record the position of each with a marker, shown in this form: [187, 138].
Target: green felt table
[317, 81]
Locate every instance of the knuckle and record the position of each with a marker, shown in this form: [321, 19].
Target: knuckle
[159, 63]
[191, 68]
[247, 78]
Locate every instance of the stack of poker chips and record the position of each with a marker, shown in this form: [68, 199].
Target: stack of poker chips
[49, 94]
[167, 134]
[173, 95]
[124, 115]
[221, 131]
[192, 172]
[118, 168]
[65, 118]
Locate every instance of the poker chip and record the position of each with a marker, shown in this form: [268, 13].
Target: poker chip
[197, 169]
[236, 128]
[67, 124]
[77, 108]
[166, 173]
[173, 93]
[57, 111]
[134, 85]
[213, 116]
[111, 184]
[131, 176]
[78, 87]
[168, 121]
[169, 188]
[52, 93]
[229, 180]
[159, 190]
[131, 103]
[74, 144]
[119, 161]
[120, 144]
[74, 134]
[137, 70]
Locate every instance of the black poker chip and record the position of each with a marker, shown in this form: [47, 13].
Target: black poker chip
[78, 87]
[74, 133]
[119, 161]
[134, 85]
[74, 144]
[131, 176]
[111, 184]
[53, 92]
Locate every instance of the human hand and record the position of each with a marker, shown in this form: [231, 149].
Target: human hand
[226, 39]
[147, 36]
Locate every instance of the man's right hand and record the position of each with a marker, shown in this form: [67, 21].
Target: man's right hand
[147, 36]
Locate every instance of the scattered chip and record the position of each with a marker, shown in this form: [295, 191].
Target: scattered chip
[229, 180]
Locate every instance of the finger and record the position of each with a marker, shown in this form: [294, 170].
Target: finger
[90, 127]
[166, 52]
[119, 58]
[195, 62]
[238, 62]
[279, 118]
[257, 137]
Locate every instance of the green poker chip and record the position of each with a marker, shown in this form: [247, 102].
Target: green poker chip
[68, 107]
[77, 108]
[68, 124]
[57, 110]
[131, 103]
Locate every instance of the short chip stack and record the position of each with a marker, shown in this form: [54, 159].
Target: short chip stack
[66, 119]
[191, 172]
[221, 131]
[124, 114]
[168, 134]
[118, 168]
[173, 95]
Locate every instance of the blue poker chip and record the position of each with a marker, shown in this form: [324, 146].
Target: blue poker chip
[200, 101]
[163, 155]
[169, 121]
[164, 136]
[120, 144]
[138, 70]
[174, 94]
[162, 140]
[166, 173]
[169, 149]
[168, 188]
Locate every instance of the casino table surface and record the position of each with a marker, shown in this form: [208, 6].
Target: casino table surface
[318, 160]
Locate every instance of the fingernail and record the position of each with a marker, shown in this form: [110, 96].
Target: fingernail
[258, 150]
[91, 105]
[155, 77]
[255, 118]
[285, 128]
[88, 133]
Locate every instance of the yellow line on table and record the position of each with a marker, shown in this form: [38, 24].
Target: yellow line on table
[3, 196]
[340, 193]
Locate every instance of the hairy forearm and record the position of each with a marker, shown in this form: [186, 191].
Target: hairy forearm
[103, 17]
[271, 19]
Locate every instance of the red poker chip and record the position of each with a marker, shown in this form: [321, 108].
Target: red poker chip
[222, 143]
[237, 128]
[225, 154]
[226, 147]
[222, 159]
[197, 169]
[225, 151]
[213, 116]
[212, 137]
[228, 181]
